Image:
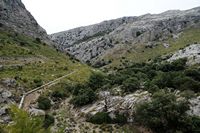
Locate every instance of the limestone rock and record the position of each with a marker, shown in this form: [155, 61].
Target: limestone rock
[91, 43]
[194, 106]
[9, 82]
[6, 94]
[36, 112]
[123, 105]
[192, 53]
[13, 15]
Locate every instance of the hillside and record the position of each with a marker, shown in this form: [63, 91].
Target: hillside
[107, 42]
[14, 16]
[148, 81]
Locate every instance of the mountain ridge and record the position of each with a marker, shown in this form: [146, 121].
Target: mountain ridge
[89, 44]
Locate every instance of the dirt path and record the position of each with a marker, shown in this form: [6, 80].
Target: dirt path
[31, 96]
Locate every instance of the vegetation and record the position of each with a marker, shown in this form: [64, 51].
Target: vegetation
[83, 97]
[141, 53]
[23, 123]
[33, 63]
[44, 103]
[48, 121]
[104, 118]
[100, 118]
[156, 75]
[167, 114]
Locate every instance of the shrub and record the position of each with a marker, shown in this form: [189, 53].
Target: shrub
[1, 25]
[166, 114]
[85, 96]
[138, 33]
[131, 84]
[48, 120]
[38, 40]
[163, 80]
[120, 118]
[100, 118]
[195, 74]
[96, 80]
[44, 103]
[38, 82]
[59, 94]
[185, 83]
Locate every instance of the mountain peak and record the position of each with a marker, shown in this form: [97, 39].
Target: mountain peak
[14, 16]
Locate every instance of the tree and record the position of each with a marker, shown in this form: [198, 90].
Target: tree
[85, 96]
[166, 114]
[23, 123]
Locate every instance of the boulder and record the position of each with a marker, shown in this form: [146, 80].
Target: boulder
[6, 94]
[9, 82]
[36, 112]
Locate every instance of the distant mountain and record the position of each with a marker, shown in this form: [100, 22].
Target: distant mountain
[101, 43]
[14, 16]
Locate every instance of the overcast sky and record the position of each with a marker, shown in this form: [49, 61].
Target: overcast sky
[60, 15]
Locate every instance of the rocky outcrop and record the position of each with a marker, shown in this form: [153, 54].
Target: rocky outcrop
[194, 106]
[90, 43]
[118, 104]
[192, 53]
[14, 16]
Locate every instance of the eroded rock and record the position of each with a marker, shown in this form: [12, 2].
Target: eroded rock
[118, 104]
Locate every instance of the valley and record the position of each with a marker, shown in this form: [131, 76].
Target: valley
[137, 74]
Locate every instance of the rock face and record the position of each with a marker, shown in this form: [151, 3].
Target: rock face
[194, 106]
[118, 104]
[90, 43]
[14, 16]
[192, 53]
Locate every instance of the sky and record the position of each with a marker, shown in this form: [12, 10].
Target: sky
[60, 15]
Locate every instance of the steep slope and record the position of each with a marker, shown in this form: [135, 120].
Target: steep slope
[13, 15]
[27, 60]
[96, 43]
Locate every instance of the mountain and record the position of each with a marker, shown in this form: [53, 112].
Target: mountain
[158, 76]
[14, 16]
[27, 59]
[109, 41]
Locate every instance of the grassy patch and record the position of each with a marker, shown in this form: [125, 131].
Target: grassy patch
[37, 61]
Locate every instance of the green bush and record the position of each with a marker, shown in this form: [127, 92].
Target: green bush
[163, 80]
[195, 74]
[131, 84]
[96, 80]
[166, 114]
[48, 120]
[84, 96]
[38, 82]
[120, 119]
[100, 118]
[38, 40]
[59, 93]
[44, 103]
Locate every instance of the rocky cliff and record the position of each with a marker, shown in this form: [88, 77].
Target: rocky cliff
[92, 43]
[14, 16]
